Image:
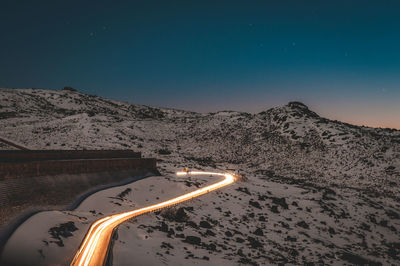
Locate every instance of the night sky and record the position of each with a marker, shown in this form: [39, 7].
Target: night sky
[341, 58]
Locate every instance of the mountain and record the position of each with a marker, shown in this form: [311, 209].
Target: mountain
[316, 191]
[290, 141]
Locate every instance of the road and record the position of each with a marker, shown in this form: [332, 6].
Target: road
[96, 244]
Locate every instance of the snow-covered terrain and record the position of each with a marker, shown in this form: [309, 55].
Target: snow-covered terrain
[316, 191]
[52, 237]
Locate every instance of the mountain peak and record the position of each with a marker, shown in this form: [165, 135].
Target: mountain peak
[300, 109]
[297, 105]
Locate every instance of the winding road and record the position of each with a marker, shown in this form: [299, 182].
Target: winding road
[96, 244]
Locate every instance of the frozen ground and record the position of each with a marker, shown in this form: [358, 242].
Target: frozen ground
[317, 192]
[257, 221]
[265, 223]
[52, 237]
[290, 141]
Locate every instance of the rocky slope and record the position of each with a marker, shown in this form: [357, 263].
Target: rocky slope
[317, 191]
[290, 141]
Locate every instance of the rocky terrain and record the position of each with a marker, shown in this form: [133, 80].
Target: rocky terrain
[316, 191]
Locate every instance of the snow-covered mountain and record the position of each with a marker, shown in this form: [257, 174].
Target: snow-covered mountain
[317, 191]
[290, 141]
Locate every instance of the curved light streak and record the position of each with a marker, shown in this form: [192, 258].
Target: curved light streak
[95, 246]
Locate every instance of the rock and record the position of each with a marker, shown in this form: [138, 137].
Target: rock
[164, 227]
[291, 239]
[254, 243]
[228, 234]
[239, 240]
[211, 247]
[179, 228]
[166, 245]
[303, 224]
[244, 190]
[227, 213]
[281, 202]
[190, 209]
[240, 252]
[365, 227]
[255, 204]
[124, 193]
[181, 215]
[176, 215]
[327, 192]
[274, 209]
[205, 224]
[293, 252]
[62, 231]
[210, 233]
[192, 224]
[171, 232]
[259, 232]
[392, 214]
[194, 240]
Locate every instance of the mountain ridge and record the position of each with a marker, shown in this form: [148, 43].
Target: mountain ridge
[290, 140]
[315, 191]
[298, 107]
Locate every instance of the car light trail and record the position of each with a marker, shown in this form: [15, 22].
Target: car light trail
[95, 246]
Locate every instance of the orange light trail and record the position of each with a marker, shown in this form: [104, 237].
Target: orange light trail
[95, 246]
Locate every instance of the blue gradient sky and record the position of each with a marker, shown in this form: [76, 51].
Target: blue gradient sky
[341, 58]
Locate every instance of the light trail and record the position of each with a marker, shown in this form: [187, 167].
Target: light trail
[95, 246]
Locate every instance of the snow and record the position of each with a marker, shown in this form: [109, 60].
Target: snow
[340, 182]
[33, 235]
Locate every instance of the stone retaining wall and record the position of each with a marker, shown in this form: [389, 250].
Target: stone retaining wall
[40, 168]
[41, 155]
[41, 183]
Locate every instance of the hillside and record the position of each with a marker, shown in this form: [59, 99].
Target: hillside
[289, 141]
[316, 191]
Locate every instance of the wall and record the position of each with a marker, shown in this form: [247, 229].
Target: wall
[62, 189]
[40, 168]
[40, 155]
[21, 197]
[41, 184]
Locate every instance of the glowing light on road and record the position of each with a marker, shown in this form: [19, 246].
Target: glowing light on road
[95, 246]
